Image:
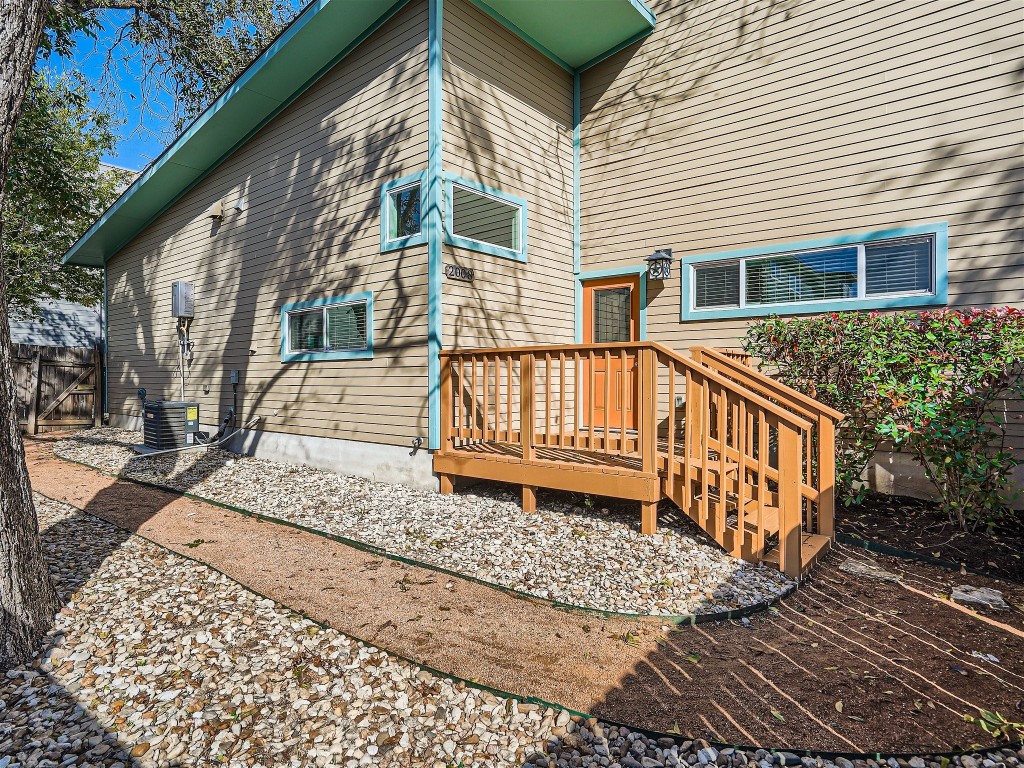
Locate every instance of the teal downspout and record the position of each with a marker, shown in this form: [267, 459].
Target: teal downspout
[434, 223]
[104, 406]
[577, 235]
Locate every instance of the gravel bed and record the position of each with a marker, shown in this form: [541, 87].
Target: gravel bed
[592, 557]
[598, 744]
[156, 661]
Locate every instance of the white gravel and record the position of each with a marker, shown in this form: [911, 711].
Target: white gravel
[159, 661]
[565, 551]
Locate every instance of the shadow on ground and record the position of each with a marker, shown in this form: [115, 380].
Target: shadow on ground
[846, 664]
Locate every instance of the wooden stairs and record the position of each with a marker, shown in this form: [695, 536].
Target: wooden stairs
[749, 460]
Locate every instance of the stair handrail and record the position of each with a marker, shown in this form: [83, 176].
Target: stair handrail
[806, 405]
[791, 426]
[824, 417]
[797, 421]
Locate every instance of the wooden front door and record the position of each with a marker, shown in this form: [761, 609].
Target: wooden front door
[611, 313]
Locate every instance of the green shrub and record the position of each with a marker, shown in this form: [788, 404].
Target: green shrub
[932, 383]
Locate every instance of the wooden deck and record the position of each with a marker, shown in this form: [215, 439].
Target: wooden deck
[747, 459]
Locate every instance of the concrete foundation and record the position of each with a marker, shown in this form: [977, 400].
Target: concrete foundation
[899, 474]
[384, 463]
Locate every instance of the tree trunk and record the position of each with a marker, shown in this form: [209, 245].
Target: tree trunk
[28, 601]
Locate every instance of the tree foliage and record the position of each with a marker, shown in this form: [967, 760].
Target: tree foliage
[54, 190]
[189, 50]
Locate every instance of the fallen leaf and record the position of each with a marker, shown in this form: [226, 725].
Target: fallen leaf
[778, 716]
[839, 706]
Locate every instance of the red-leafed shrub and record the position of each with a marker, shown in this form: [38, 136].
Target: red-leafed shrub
[933, 383]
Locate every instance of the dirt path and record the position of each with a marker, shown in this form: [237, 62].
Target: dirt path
[899, 660]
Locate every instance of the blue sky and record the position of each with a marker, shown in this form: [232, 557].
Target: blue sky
[142, 132]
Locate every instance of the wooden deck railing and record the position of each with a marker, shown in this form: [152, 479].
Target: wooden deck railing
[818, 444]
[730, 453]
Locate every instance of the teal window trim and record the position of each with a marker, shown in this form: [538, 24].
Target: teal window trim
[938, 297]
[451, 238]
[340, 354]
[394, 244]
[640, 269]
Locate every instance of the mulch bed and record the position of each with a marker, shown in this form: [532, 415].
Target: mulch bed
[846, 664]
[918, 526]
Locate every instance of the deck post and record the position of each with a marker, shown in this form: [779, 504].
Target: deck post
[826, 476]
[790, 517]
[648, 517]
[529, 499]
[446, 407]
[447, 483]
[648, 410]
[527, 420]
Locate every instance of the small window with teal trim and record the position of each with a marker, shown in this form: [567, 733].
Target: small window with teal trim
[871, 272]
[328, 329]
[401, 223]
[483, 219]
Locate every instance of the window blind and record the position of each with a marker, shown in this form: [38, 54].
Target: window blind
[809, 276]
[898, 266]
[484, 219]
[717, 285]
[346, 326]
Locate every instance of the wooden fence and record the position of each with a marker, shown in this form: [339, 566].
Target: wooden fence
[57, 387]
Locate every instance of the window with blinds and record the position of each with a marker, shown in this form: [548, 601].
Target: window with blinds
[898, 266]
[716, 285]
[826, 275]
[882, 268]
[330, 328]
[485, 218]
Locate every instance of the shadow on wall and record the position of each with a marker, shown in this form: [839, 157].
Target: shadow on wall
[510, 303]
[303, 235]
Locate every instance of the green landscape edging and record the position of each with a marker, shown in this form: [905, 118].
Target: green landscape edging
[651, 734]
[905, 554]
[676, 619]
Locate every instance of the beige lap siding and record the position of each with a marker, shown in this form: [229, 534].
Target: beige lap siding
[312, 180]
[731, 128]
[507, 123]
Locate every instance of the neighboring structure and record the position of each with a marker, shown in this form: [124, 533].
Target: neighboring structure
[390, 179]
[59, 324]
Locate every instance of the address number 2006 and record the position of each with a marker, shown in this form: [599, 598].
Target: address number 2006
[455, 272]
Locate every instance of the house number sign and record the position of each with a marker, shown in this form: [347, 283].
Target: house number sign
[455, 272]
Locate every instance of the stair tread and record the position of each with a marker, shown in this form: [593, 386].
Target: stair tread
[813, 546]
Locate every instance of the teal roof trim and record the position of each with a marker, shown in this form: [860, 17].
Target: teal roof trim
[575, 34]
[300, 56]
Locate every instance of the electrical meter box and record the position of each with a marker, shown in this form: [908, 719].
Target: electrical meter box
[183, 300]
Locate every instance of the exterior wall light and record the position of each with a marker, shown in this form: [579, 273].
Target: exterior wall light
[659, 264]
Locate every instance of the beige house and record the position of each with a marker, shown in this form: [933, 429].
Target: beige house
[391, 180]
